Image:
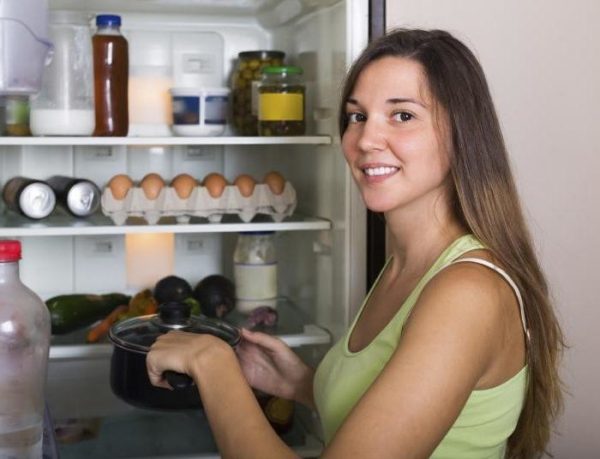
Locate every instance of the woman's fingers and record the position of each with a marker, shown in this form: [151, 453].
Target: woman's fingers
[262, 339]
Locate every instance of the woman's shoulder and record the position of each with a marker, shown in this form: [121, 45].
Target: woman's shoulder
[470, 300]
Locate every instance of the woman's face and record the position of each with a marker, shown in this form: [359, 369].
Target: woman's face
[393, 144]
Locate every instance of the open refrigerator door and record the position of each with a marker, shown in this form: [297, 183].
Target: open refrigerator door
[321, 243]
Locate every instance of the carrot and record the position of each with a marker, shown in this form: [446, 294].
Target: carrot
[101, 329]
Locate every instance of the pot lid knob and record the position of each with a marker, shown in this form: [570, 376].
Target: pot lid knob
[174, 313]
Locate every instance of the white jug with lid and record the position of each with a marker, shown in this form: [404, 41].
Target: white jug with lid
[65, 103]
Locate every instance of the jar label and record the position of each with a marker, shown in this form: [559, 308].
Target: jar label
[186, 110]
[281, 107]
[255, 282]
[215, 110]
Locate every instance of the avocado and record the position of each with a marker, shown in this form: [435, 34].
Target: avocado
[216, 295]
[172, 288]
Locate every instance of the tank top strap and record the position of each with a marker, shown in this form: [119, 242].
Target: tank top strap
[507, 278]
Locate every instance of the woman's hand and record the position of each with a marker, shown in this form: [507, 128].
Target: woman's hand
[189, 353]
[269, 365]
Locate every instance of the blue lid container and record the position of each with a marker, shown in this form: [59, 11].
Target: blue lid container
[108, 20]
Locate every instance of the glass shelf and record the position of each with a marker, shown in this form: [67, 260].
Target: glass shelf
[229, 140]
[13, 225]
[179, 434]
[293, 327]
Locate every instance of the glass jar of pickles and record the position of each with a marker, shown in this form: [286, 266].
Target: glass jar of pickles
[281, 102]
[245, 80]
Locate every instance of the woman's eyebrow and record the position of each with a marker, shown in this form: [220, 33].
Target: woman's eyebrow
[401, 100]
[391, 101]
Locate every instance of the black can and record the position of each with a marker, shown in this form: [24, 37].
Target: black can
[80, 197]
[29, 197]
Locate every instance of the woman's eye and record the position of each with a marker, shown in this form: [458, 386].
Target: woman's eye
[355, 117]
[403, 116]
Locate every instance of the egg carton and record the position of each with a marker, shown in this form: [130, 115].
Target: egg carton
[200, 204]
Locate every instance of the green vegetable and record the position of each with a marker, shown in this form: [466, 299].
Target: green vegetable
[71, 312]
[196, 309]
[216, 295]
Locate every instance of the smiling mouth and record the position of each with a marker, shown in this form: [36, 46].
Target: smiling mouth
[380, 171]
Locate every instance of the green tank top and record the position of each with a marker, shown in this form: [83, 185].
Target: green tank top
[488, 417]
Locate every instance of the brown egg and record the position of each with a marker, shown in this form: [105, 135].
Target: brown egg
[151, 184]
[275, 181]
[245, 184]
[184, 184]
[119, 186]
[215, 184]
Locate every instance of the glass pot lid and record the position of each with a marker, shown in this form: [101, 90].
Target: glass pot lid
[137, 334]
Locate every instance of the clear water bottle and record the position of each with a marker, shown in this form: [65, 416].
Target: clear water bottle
[255, 271]
[24, 346]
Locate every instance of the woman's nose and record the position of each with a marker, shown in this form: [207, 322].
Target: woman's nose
[372, 136]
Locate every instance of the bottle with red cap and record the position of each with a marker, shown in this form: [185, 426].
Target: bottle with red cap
[24, 347]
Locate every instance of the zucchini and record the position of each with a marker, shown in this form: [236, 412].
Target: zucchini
[71, 312]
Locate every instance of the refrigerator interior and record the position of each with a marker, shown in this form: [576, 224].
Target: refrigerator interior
[321, 248]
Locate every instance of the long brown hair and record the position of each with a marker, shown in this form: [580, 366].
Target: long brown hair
[485, 200]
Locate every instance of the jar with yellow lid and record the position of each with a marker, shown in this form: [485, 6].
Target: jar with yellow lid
[281, 102]
[245, 80]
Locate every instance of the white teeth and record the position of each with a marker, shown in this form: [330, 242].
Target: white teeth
[383, 170]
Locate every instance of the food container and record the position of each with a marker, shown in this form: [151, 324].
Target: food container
[132, 339]
[255, 271]
[200, 204]
[65, 103]
[199, 111]
[25, 48]
[281, 102]
[245, 80]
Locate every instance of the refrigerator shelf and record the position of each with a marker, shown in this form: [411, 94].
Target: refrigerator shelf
[13, 225]
[166, 141]
[183, 434]
[293, 327]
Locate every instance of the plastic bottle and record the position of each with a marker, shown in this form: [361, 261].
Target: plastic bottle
[24, 346]
[255, 271]
[111, 73]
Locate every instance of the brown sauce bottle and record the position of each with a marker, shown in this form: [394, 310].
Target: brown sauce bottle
[111, 72]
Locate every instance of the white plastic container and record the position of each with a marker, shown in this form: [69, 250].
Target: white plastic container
[199, 111]
[150, 79]
[25, 48]
[65, 103]
[255, 271]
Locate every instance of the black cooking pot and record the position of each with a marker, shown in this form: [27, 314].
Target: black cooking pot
[132, 339]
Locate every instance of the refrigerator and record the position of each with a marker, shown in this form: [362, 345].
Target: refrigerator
[328, 250]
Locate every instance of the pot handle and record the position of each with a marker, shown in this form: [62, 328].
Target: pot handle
[178, 380]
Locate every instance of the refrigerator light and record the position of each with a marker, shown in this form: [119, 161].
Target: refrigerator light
[149, 258]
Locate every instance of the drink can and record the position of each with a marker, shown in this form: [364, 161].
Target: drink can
[80, 197]
[30, 197]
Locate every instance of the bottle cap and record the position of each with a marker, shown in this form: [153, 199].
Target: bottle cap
[262, 54]
[10, 250]
[282, 70]
[108, 20]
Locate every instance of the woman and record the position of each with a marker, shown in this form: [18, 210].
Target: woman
[454, 352]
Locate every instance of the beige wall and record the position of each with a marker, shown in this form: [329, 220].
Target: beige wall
[542, 59]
